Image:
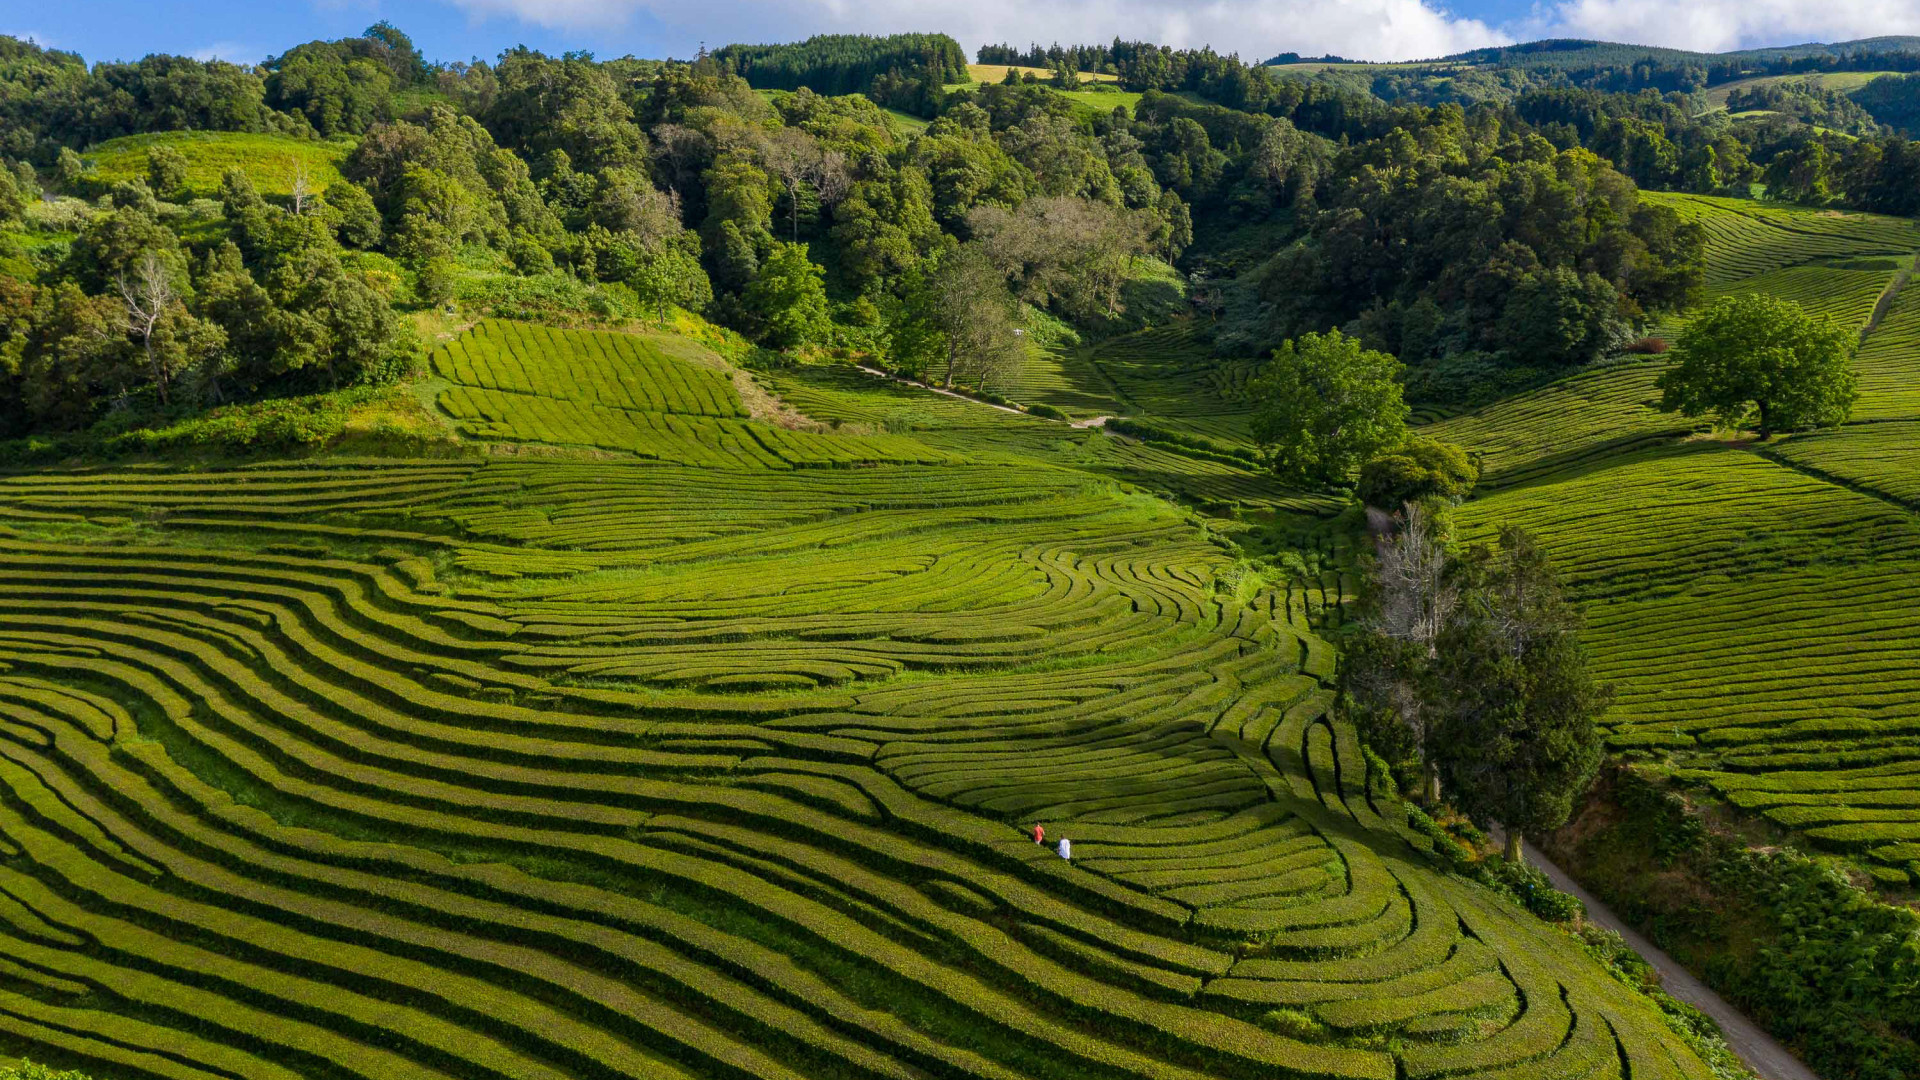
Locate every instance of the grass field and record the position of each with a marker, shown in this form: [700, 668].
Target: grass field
[540, 764]
[1099, 102]
[270, 161]
[1756, 606]
[1842, 81]
[993, 73]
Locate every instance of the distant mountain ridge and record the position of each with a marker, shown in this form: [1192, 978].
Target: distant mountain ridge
[1581, 52]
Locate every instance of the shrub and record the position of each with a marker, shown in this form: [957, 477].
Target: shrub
[1417, 471]
[1533, 890]
[27, 1070]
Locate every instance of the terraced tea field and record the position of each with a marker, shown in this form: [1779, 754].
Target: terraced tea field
[538, 766]
[1170, 374]
[526, 383]
[1758, 608]
[1747, 238]
[1889, 361]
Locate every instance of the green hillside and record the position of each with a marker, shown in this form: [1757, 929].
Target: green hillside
[1752, 603]
[270, 161]
[636, 576]
[729, 764]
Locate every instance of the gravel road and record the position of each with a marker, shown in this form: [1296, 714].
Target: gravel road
[1761, 1051]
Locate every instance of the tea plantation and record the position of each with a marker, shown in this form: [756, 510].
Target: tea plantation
[1755, 605]
[690, 756]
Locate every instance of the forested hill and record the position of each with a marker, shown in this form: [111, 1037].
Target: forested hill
[1574, 53]
[845, 63]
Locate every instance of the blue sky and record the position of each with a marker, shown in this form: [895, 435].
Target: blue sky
[249, 30]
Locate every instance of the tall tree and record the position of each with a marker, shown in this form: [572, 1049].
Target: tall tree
[1324, 404]
[166, 171]
[1386, 669]
[1516, 739]
[958, 314]
[788, 300]
[1761, 356]
[148, 296]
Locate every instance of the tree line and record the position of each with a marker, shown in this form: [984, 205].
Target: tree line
[1484, 246]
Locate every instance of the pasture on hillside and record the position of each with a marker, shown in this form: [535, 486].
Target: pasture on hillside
[270, 161]
[703, 763]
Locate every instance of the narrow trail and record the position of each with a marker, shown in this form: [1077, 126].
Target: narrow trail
[1887, 297]
[1823, 476]
[1761, 1051]
[877, 373]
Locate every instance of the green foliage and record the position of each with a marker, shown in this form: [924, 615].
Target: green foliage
[886, 224]
[846, 63]
[354, 217]
[1533, 262]
[1758, 354]
[434, 281]
[54, 101]
[1533, 890]
[12, 206]
[166, 170]
[570, 104]
[1515, 739]
[1323, 405]
[669, 276]
[29, 1071]
[338, 91]
[788, 300]
[1807, 101]
[1893, 100]
[1828, 969]
[1417, 471]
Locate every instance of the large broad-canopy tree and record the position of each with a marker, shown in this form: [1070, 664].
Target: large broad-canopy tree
[1323, 405]
[1417, 471]
[1763, 359]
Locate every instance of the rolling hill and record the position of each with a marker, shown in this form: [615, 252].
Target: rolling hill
[713, 751]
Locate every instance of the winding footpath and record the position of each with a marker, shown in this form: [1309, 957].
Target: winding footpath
[1761, 1051]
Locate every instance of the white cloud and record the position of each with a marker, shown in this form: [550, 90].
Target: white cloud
[1256, 29]
[34, 36]
[1722, 25]
[233, 52]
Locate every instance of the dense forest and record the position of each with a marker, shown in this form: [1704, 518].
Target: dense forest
[1486, 245]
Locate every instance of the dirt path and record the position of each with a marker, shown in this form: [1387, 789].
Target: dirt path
[1887, 297]
[1094, 421]
[877, 373]
[1761, 1051]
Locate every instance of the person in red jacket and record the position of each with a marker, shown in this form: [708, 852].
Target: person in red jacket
[1039, 834]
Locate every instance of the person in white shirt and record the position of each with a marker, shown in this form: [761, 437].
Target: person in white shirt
[1066, 848]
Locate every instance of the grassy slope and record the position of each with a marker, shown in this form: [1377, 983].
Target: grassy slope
[269, 161]
[555, 763]
[993, 73]
[1843, 81]
[1753, 604]
[1101, 101]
